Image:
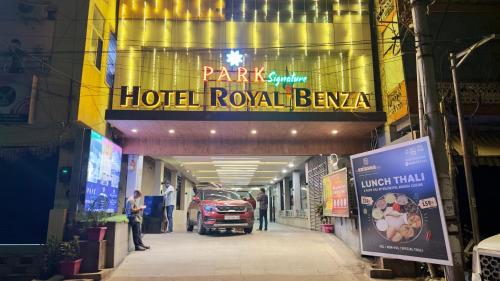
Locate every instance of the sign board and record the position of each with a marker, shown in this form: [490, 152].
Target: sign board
[335, 194]
[17, 96]
[400, 211]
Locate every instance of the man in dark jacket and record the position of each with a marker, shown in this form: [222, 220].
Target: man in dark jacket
[263, 204]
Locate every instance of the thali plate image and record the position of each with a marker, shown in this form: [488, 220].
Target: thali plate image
[397, 218]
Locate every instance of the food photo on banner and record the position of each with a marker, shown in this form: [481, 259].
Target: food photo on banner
[335, 194]
[400, 212]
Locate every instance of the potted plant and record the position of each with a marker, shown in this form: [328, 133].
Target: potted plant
[71, 261]
[95, 219]
[97, 225]
[50, 258]
[325, 227]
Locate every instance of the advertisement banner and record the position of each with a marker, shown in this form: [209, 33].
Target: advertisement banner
[335, 194]
[400, 212]
[17, 95]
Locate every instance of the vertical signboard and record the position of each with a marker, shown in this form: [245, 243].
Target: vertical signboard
[335, 194]
[400, 212]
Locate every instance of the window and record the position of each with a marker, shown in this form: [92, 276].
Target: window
[98, 22]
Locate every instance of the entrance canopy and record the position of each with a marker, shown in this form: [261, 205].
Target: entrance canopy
[161, 133]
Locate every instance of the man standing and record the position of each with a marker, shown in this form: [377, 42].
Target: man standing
[263, 203]
[135, 219]
[170, 205]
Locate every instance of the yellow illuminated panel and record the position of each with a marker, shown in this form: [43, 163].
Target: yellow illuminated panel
[167, 43]
[94, 92]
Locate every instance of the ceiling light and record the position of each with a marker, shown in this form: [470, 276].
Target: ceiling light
[188, 171]
[335, 132]
[283, 171]
[275, 179]
[254, 132]
[294, 132]
[171, 131]
[290, 165]
[134, 131]
[212, 132]
[271, 182]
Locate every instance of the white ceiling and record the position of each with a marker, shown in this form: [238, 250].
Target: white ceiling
[235, 171]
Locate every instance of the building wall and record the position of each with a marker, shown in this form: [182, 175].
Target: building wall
[93, 89]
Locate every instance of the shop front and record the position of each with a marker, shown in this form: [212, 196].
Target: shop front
[269, 78]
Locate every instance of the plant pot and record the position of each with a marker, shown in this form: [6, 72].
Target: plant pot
[96, 233]
[327, 228]
[70, 268]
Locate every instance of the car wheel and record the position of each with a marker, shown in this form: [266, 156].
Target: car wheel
[248, 230]
[189, 226]
[201, 229]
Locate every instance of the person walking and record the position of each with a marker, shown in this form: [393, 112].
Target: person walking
[263, 204]
[170, 205]
[134, 219]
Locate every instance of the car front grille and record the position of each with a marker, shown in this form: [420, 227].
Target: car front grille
[231, 209]
[490, 268]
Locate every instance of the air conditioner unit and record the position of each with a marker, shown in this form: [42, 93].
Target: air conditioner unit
[31, 10]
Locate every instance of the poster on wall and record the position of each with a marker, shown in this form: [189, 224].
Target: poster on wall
[17, 96]
[103, 174]
[400, 212]
[335, 194]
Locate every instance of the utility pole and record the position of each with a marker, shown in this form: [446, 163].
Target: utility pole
[461, 56]
[435, 129]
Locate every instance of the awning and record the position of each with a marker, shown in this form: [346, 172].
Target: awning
[486, 147]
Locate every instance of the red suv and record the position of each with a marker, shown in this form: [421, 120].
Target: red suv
[213, 209]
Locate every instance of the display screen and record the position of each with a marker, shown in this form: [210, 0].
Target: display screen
[103, 174]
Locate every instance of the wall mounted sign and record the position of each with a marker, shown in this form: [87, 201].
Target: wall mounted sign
[335, 194]
[218, 97]
[221, 98]
[400, 211]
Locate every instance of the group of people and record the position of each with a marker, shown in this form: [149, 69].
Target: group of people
[134, 212]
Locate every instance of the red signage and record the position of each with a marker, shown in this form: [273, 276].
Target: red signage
[335, 194]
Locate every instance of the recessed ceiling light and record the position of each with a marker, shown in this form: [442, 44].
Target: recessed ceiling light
[134, 131]
[254, 132]
[290, 165]
[294, 132]
[335, 132]
[212, 132]
[283, 171]
[171, 131]
[275, 179]
[188, 171]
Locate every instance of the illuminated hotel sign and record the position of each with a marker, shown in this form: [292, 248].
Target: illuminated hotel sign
[218, 98]
[300, 98]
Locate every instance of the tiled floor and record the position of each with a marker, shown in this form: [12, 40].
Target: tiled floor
[282, 253]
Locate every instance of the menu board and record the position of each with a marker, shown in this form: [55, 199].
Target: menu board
[400, 212]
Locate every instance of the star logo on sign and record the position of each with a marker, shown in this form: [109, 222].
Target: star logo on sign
[234, 58]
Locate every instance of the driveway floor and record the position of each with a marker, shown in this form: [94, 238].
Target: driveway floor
[282, 253]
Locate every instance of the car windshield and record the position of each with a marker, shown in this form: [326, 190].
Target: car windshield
[220, 195]
[244, 194]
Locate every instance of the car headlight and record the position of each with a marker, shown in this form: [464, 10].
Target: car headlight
[209, 208]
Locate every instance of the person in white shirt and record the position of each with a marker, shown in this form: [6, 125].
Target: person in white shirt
[169, 198]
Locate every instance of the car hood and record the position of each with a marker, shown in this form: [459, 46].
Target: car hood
[225, 202]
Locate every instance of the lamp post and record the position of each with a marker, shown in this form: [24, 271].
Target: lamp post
[460, 57]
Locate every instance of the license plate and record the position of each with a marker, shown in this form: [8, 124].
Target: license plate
[231, 217]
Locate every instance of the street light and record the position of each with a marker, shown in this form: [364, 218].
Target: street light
[461, 56]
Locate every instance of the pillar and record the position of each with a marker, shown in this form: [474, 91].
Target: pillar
[134, 173]
[286, 194]
[158, 177]
[173, 182]
[297, 205]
